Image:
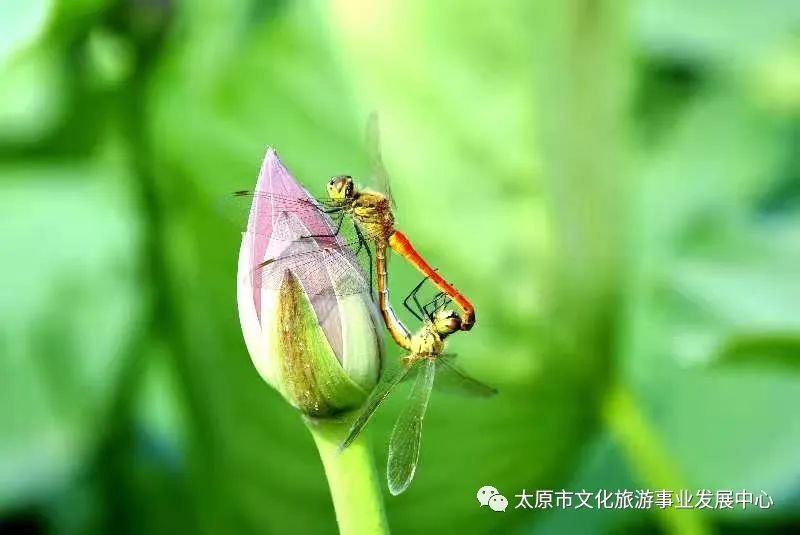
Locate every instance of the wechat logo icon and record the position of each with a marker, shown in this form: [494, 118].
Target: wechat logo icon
[488, 495]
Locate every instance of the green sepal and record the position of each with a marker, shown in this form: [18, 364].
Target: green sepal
[310, 376]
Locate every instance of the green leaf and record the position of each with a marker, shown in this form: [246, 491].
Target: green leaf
[75, 311]
[712, 270]
[726, 32]
[781, 350]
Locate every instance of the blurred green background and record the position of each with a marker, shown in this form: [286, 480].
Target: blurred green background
[622, 181]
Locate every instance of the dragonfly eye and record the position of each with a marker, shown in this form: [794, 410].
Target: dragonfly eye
[447, 322]
[340, 188]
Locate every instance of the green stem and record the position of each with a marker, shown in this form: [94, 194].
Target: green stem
[354, 485]
[645, 452]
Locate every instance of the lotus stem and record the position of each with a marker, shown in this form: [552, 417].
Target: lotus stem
[352, 479]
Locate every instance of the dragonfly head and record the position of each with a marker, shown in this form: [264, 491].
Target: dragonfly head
[341, 189]
[446, 322]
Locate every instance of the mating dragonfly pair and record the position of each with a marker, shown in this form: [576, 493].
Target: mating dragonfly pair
[350, 250]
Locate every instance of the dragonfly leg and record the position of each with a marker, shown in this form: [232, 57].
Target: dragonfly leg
[335, 232]
[438, 302]
[442, 300]
[428, 313]
[413, 295]
[369, 255]
[410, 309]
[424, 311]
[362, 242]
[433, 304]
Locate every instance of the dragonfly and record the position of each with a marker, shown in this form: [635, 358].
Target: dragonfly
[426, 361]
[363, 220]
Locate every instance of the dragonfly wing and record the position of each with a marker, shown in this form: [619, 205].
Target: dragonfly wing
[451, 378]
[323, 264]
[255, 210]
[322, 271]
[380, 177]
[404, 444]
[378, 395]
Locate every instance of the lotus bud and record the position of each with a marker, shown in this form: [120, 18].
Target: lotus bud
[321, 350]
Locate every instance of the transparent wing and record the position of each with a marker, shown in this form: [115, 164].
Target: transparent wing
[380, 177]
[404, 444]
[450, 378]
[244, 208]
[378, 395]
[326, 258]
[321, 272]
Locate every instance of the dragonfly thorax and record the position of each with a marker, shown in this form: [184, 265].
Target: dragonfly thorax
[372, 212]
[427, 342]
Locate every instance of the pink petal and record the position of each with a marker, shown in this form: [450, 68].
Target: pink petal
[275, 179]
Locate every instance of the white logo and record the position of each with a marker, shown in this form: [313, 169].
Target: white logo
[498, 502]
[488, 495]
[486, 492]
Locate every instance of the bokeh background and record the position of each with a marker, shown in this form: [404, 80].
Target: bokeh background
[619, 183]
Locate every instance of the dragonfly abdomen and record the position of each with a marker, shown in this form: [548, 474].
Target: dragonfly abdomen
[397, 330]
[400, 244]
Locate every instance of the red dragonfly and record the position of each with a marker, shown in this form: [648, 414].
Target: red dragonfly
[362, 219]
